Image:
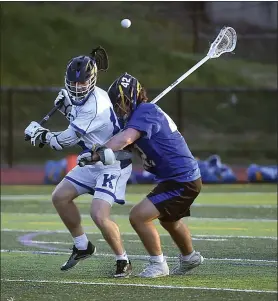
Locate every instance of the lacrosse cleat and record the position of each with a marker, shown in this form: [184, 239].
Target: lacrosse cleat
[155, 269]
[124, 269]
[186, 265]
[78, 255]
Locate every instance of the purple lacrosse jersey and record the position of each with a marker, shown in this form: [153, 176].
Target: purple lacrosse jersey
[161, 146]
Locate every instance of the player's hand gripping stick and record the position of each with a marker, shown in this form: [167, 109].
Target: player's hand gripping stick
[45, 119]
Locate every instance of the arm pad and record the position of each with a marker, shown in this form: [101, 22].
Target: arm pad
[59, 140]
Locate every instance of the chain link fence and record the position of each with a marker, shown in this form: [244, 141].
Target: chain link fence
[238, 124]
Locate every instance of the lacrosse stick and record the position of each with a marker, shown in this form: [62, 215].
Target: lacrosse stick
[119, 155]
[45, 119]
[224, 42]
[99, 54]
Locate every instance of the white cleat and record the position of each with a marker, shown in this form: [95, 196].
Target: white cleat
[155, 269]
[185, 266]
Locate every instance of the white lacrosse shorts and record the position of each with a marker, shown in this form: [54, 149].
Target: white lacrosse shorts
[105, 182]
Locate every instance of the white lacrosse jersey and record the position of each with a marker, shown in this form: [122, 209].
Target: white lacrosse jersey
[95, 120]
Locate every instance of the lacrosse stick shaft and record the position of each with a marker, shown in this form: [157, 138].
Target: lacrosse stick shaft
[185, 75]
[120, 155]
[45, 118]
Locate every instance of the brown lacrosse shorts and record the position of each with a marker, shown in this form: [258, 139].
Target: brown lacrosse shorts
[173, 199]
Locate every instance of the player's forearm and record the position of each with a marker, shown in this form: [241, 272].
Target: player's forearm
[123, 139]
[60, 140]
[118, 142]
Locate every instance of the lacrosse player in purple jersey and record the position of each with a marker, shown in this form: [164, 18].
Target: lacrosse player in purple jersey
[165, 154]
[92, 121]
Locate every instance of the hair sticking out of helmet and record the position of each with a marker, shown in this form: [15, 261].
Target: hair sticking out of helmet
[99, 54]
[80, 78]
[126, 93]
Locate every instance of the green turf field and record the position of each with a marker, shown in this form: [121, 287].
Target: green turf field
[234, 227]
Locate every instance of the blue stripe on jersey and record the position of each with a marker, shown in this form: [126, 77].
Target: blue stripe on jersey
[158, 198]
[91, 190]
[121, 202]
[83, 145]
[82, 132]
[125, 163]
[114, 121]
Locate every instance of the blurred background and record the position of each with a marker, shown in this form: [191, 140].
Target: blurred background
[226, 110]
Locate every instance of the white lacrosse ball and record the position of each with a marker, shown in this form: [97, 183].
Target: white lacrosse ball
[125, 23]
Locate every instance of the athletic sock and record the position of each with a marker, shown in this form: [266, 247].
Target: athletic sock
[159, 258]
[122, 257]
[81, 242]
[187, 257]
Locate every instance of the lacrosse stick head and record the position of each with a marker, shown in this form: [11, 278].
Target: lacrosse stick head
[224, 42]
[99, 54]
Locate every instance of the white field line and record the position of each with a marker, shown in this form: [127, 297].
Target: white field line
[193, 238]
[234, 206]
[47, 198]
[103, 240]
[229, 219]
[212, 219]
[42, 242]
[134, 256]
[139, 285]
[68, 243]
[46, 231]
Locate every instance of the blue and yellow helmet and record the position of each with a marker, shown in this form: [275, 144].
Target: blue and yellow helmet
[124, 93]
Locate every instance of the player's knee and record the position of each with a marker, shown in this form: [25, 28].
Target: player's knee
[132, 220]
[99, 218]
[170, 226]
[59, 197]
[64, 193]
[100, 212]
[143, 212]
[135, 217]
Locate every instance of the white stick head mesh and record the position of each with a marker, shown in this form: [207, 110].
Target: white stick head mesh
[224, 42]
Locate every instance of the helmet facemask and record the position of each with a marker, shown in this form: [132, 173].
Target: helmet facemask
[123, 105]
[79, 90]
[127, 102]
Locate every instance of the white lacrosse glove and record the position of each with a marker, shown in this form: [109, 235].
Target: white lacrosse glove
[106, 156]
[63, 100]
[86, 157]
[35, 131]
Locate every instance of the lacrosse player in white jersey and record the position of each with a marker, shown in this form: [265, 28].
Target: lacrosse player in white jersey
[92, 121]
